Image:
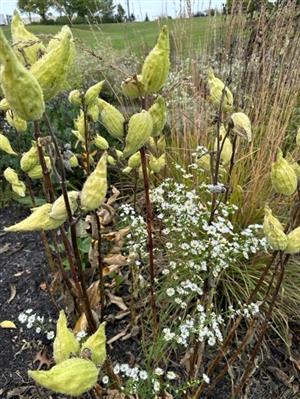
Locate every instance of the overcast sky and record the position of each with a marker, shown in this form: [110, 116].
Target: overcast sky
[153, 8]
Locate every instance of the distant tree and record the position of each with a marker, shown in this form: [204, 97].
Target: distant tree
[67, 7]
[39, 7]
[147, 18]
[120, 16]
[132, 17]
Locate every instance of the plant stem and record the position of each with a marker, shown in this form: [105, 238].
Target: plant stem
[150, 242]
[100, 266]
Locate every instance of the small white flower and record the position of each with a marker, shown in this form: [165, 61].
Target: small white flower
[105, 379]
[22, 318]
[143, 375]
[206, 378]
[50, 335]
[159, 371]
[156, 386]
[81, 334]
[38, 330]
[117, 368]
[28, 311]
[171, 375]
[170, 291]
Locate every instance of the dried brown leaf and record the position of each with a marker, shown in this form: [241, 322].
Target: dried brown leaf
[13, 292]
[115, 259]
[42, 358]
[117, 300]
[94, 294]
[113, 198]
[118, 336]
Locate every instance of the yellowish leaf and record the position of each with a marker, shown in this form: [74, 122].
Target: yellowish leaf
[7, 324]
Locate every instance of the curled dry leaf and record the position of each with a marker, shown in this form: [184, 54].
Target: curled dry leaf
[13, 292]
[94, 294]
[113, 198]
[115, 394]
[117, 300]
[7, 324]
[106, 214]
[82, 324]
[115, 259]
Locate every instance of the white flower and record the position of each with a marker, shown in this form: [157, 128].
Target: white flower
[143, 375]
[81, 334]
[38, 330]
[50, 335]
[105, 379]
[206, 378]
[22, 318]
[170, 291]
[171, 375]
[117, 368]
[28, 311]
[156, 386]
[159, 371]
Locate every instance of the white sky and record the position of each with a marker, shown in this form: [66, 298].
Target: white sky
[154, 8]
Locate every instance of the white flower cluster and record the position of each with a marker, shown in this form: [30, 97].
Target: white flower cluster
[31, 320]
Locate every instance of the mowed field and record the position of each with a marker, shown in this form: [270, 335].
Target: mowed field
[135, 36]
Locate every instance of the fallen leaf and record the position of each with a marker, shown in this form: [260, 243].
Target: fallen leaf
[43, 286]
[107, 270]
[117, 300]
[94, 294]
[13, 292]
[4, 248]
[115, 394]
[19, 274]
[81, 324]
[114, 196]
[115, 260]
[42, 358]
[7, 324]
[118, 336]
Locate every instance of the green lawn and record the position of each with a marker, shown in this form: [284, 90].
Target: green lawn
[136, 36]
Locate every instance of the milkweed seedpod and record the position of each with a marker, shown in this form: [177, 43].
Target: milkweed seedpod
[65, 344]
[96, 343]
[226, 153]
[157, 64]
[119, 154]
[71, 377]
[158, 112]
[30, 158]
[5, 145]
[283, 177]
[54, 42]
[157, 164]
[59, 210]
[273, 230]
[51, 70]
[298, 137]
[293, 242]
[204, 162]
[38, 220]
[133, 87]
[95, 187]
[37, 172]
[112, 119]
[17, 185]
[93, 112]
[93, 93]
[75, 97]
[4, 106]
[151, 144]
[242, 125]
[28, 47]
[127, 170]
[80, 125]
[216, 88]
[16, 80]
[101, 143]
[73, 161]
[134, 161]
[140, 127]
[294, 164]
[16, 122]
[161, 144]
[111, 160]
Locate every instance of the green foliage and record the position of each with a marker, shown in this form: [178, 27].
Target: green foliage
[40, 7]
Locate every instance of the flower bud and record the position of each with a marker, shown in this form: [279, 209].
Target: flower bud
[157, 64]
[28, 47]
[283, 177]
[95, 187]
[16, 122]
[112, 119]
[101, 143]
[158, 112]
[293, 242]
[242, 125]
[133, 87]
[65, 344]
[75, 98]
[140, 127]
[134, 161]
[71, 377]
[59, 210]
[216, 89]
[51, 70]
[274, 231]
[5, 145]
[96, 343]
[92, 93]
[17, 185]
[19, 86]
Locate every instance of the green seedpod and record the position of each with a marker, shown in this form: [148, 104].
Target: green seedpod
[101, 143]
[75, 98]
[96, 343]
[298, 137]
[95, 187]
[227, 150]
[242, 125]
[28, 47]
[141, 173]
[151, 144]
[293, 164]
[157, 164]
[93, 112]
[127, 170]
[5, 145]
[161, 144]
[51, 71]
[283, 177]
[158, 112]
[204, 162]
[54, 42]
[134, 161]
[59, 210]
[38, 220]
[20, 87]
[140, 127]
[274, 231]
[216, 89]
[71, 377]
[65, 344]
[4, 105]
[37, 172]
[157, 64]
[293, 242]
[79, 124]
[111, 160]
[112, 119]
[30, 158]
[133, 87]
[119, 154]
[73, 161]
[93, 93]
[17, 185]
[16, 122]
